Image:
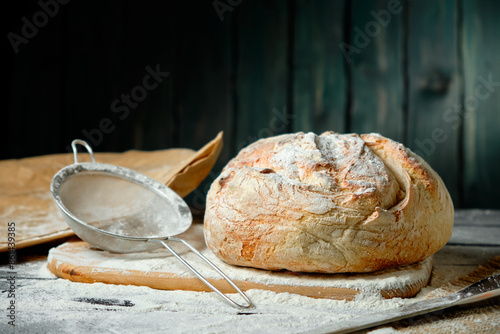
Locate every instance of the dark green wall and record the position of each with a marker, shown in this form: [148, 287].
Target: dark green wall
[425, 73]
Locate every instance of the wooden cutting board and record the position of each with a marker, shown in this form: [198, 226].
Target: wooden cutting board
[80, 262]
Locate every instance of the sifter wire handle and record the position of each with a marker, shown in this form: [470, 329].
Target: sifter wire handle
[86, 145]
[203, 279]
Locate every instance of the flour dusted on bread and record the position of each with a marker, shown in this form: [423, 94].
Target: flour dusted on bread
[329, 203]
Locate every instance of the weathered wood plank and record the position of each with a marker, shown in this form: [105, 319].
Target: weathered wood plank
[434, 88]
[319, 78]
[152, 30]
[118, 97]
[206, 99]
[376, 60]
[475, 217]
[481, 114]
[31, 116]
[94, 76]
[464, 235]
[262, 71]
[206, 85]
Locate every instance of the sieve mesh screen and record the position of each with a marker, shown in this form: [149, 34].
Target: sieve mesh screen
[119, 206]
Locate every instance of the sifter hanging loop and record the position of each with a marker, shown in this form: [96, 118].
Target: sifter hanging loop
[120, 210]
[86, 145]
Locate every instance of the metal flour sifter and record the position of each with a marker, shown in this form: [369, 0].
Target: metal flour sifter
[123, 211]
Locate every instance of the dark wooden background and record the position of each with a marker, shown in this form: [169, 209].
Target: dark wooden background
[427, 75]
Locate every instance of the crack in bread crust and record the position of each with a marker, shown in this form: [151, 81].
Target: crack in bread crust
[329, 203]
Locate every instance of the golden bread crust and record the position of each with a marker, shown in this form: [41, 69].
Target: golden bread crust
[330, 203]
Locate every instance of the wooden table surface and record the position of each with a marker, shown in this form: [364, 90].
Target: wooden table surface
[475, 240]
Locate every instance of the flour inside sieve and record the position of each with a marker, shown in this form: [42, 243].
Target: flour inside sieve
[119, 206]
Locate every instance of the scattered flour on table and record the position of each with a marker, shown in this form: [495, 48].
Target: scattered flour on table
[205, 312]
[61, 304]
[127, 308]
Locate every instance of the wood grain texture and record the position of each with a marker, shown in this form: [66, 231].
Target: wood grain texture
[95, 74]
[32, 115]
[262, 70]
[49, 305]
[319, 77]
[78, 261]
[426, 76]
[434, 88]
[205, 78]
[152, 29]
[206, 84]
[167, 281]
[481, 115]
[377, 68]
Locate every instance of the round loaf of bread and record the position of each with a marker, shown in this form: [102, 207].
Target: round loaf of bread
[330, 203]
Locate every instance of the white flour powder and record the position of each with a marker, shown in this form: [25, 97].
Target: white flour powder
[58, 305]
[134, 307]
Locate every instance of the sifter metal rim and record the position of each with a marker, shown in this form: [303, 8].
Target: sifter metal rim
[161, 190]
[150, 184]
